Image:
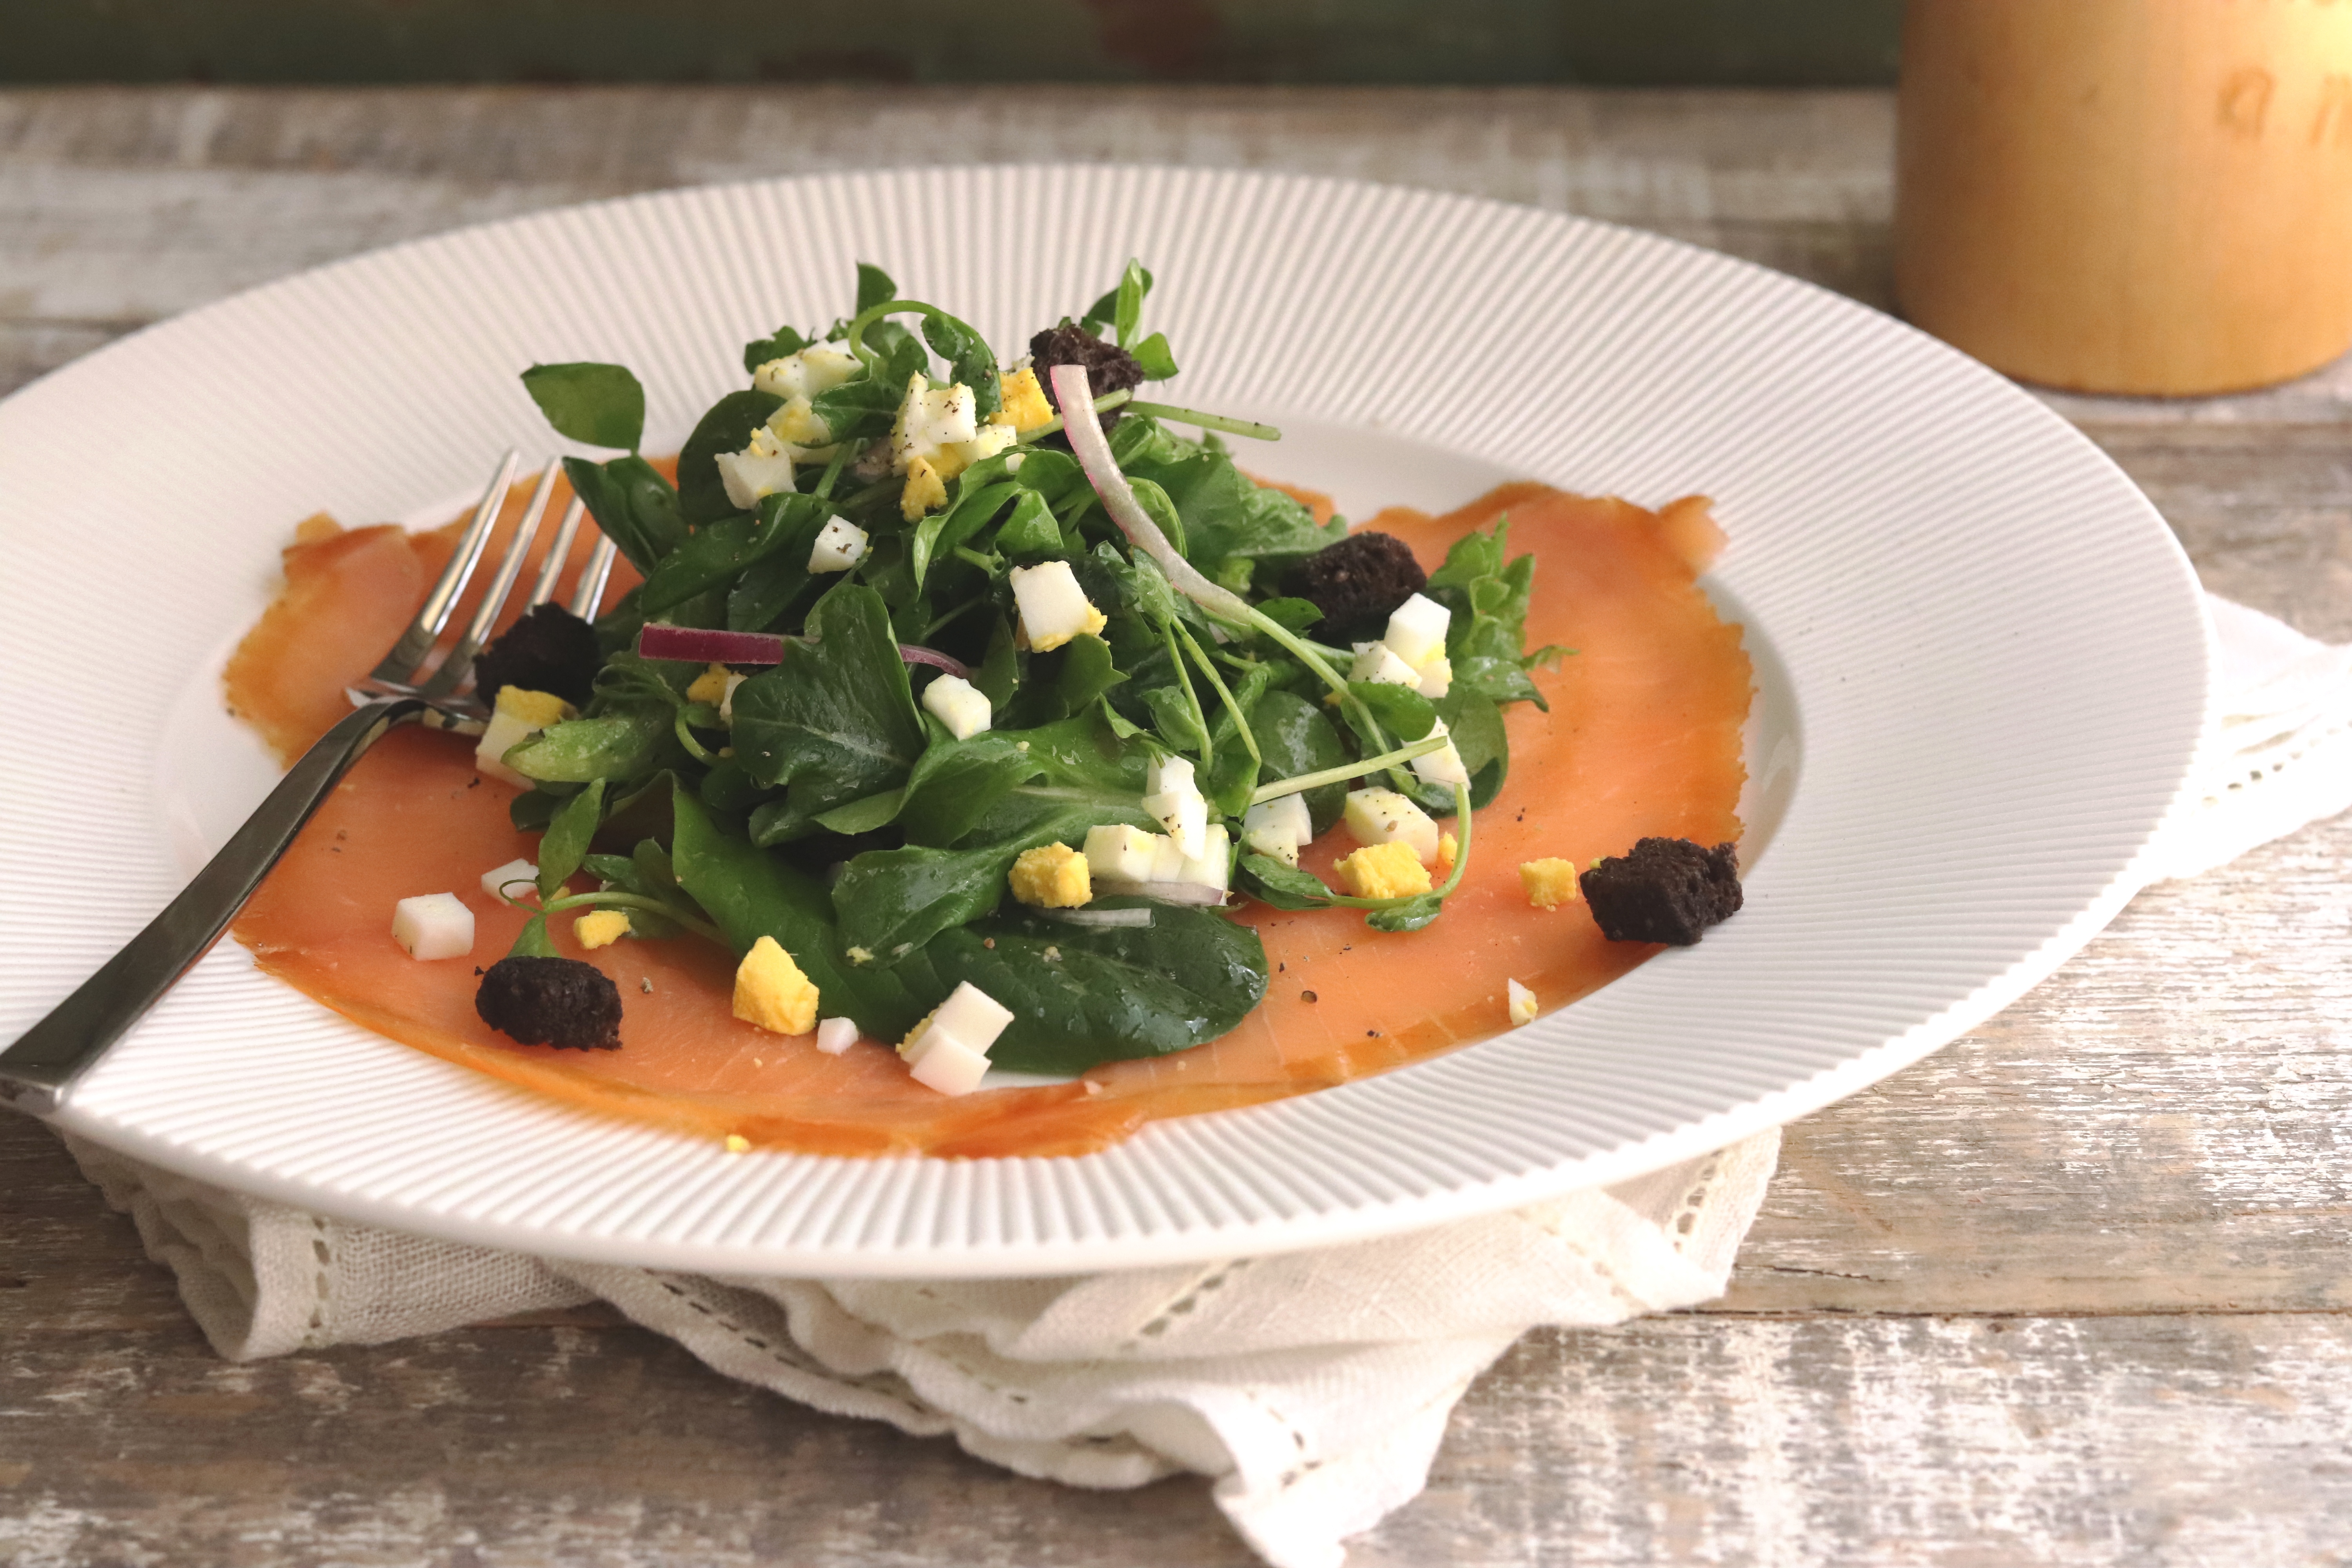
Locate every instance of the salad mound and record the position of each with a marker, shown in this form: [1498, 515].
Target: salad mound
[1033, 721]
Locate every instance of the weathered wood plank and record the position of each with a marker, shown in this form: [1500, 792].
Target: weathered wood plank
[2160, 1126]
[2153, 1440]
[120, 207]
[2264, 509]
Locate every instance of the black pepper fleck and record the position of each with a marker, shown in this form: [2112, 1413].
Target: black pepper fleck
[1306, 995]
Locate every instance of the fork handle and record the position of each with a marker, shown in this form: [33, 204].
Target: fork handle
[36, 1070]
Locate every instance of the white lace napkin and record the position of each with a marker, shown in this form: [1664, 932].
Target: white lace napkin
[1315, 1387]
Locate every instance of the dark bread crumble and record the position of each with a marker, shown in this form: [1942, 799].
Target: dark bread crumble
[558, 1002]
[1664, 889]
[1109, 368]
[549, 649]
[1357, 582]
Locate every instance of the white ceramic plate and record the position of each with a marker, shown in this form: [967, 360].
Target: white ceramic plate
[1983, 667]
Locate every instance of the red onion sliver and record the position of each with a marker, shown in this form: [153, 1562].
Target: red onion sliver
[1092, 447]
[934, 657]
[698, 646]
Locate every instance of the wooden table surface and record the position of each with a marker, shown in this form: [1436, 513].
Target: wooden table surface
[2074, 1291]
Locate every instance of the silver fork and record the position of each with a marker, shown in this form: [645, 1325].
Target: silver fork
[38, 1070]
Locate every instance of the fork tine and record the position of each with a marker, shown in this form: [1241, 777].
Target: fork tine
[559, 554]
[400, 665]
[453, 668]
[591, 590]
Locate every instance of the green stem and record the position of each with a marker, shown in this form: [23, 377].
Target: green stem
[1191, 698]
[844, 454]
[694, 747]
[991, 564]
[874, 492]
[1200, 420]
[867, 318]
[1241, 719]
[1360, 718]
[612, 901]
[968, 605]
[1346, 771]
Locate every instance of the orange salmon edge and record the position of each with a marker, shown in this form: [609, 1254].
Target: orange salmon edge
[1609, 580]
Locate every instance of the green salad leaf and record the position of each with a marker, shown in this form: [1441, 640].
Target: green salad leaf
[600, 404]
[855, 805]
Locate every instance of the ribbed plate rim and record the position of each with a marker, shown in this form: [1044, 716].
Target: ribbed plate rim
[1169, 1241]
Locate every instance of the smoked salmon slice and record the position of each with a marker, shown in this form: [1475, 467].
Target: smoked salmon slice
[1643, 737]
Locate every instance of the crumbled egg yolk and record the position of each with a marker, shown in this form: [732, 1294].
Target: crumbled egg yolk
[1390, 870]
[924, 490]
[738, 1144]
[710, 686]
[798, 425]
[1024, 407]
[601, 927]
[1549, 883]
[538, 709]
[1447, 849]
[915, 1034]
[1051, 876]
[771, 993]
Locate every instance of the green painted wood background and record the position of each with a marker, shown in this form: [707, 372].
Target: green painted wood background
[1691, 42]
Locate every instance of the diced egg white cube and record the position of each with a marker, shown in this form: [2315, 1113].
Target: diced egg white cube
[1053, 608]
[930, 419]
[1212, 867]
[1437, 678]
[1376, 661]
[1273, 844]
[956, 702]
[1120, 854]
[1443, 765]
[1417, 630]
[1523, 1003]
[434, 925]
[834, 1035]
[1278, 827]
[1163, 774]
[1176, 800]
[840, 545]
[1384, 816]
[989, 440]
[947, 1064]
[972, 1016]
[1167, 861]
[762, 469]
[495, 883]
[1185, 815]
[1286, 813]
[805, 373]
